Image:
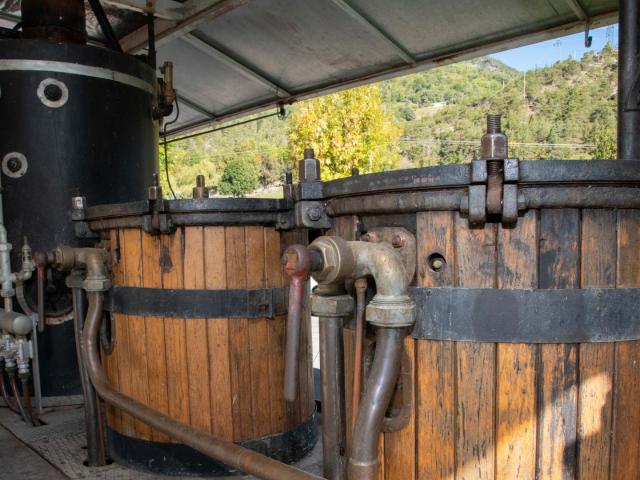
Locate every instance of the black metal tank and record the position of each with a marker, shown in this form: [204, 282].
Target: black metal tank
[77, 120]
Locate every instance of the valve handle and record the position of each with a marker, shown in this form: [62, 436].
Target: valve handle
[297, 264]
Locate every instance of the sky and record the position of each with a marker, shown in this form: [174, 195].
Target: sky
[547, 53]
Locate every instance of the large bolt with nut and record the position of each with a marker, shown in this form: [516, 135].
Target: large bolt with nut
[309, 167]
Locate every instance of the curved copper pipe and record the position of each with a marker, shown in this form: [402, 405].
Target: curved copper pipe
[16, 395]
[363, 459]
[227, 452]
[5, 395]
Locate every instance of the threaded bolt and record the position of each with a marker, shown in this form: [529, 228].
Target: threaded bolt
[493, 123]
[200, 181]
[308, 153]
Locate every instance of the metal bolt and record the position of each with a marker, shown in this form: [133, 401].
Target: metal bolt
[308, 153]
[494, 123]
[436, 262]
[370, 237]
[355, 171]
[79, 202]
[314, 213]
[398, 241]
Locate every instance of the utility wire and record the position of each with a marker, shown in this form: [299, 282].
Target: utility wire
[166, 154]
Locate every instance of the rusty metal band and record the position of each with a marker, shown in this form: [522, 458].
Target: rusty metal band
[532, 172]
[181, 460]
[159, 302]
[527, 316]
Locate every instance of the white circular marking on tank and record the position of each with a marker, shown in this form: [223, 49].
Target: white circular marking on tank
[53, 93]
[14, 165]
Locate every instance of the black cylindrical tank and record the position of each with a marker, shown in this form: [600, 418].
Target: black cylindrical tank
[76, 120]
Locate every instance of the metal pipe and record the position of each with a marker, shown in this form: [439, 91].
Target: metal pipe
[297, 261]
[96, 450]
[26, 395]
[224, 451]
[629, 81]
[333, 398]
[35, 362]
[16, 396]
[384, 265]
[41, 278]
[15, 323]
[105, 26]
[361, 290]
[3, 390]
[363, 460]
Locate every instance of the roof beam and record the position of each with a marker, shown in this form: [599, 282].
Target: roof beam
[243, 69]
[196, 12]
[195, 107]
[167, 9]
[376, 30]
[578, 10]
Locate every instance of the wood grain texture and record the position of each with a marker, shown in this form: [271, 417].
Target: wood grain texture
[258, 336]
[516, 363]
[218, 335]
[110, 361]
[400, 447]
[275, 335]
[123, 358]
[475, 362]
[196, 333]
[156, 360]
[558, 368]
[174, 329]
[240, 362]
[626, 423]
[435, 362]
[596, 360]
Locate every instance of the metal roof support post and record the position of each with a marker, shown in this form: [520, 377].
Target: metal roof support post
[629, 81]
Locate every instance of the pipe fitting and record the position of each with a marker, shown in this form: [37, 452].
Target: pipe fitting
[337, 260]
[15, 323]
[391, 306]
[333, 306]
[93, 260]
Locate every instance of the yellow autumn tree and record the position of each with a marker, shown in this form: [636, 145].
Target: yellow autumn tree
[350, 129]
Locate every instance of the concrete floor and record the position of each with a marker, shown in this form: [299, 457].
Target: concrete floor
[56, 451]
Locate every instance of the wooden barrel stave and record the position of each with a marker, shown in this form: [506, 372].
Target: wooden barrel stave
[521, 411]
[202, 371]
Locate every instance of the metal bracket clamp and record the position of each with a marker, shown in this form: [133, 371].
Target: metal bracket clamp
[310, 214]
[474, 204]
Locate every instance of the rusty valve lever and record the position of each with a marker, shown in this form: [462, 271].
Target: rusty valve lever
[298, 262]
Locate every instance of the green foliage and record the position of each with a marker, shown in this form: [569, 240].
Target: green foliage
[347, 130]
[239, 177]
[606, 146]
[564, 111]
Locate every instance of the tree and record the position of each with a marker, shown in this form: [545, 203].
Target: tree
[347, 130]
[239, 177]
[606, 144]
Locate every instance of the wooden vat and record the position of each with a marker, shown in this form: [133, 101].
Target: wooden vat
[221, 375]
[516, 408]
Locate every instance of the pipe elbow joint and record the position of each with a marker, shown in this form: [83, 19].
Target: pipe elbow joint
[93, 260]
[391, 306]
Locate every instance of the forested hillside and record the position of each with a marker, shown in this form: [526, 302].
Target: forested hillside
[565, 111]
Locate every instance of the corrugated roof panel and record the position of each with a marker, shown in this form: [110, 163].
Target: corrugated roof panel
[300, 43]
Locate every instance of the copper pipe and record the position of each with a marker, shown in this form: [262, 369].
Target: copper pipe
[224, 451]
[41, 278]
[297, 263]
[26, 395]
[5, 394]
[363, 459]
[361, 285]
[16, 395]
